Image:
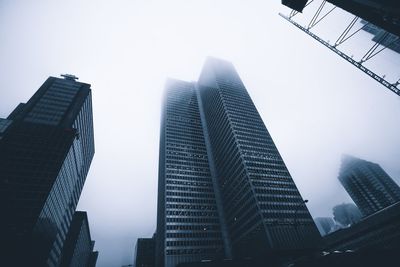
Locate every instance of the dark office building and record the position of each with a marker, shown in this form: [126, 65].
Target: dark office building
[222, 182]
[78, 246]
[370, 187]
[46, 147]
[145, 252]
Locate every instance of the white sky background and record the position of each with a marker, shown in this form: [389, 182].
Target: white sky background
[315, 105]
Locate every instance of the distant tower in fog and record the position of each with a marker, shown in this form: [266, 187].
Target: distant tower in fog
[346, 214]
[325, 225]
[370, 187]
[224, 190]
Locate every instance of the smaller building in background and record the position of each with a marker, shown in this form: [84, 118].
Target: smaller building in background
[379, 231]
[370, 187]
[346, 214]
[325, 225]
[78, 248]
[145, 252]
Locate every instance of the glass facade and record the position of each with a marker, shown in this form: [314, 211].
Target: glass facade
[45, 155]
[188, 223]
[78, 247]
[54, 103]
[4, 125]
[219, 167]
[30, 157]
[262, 206]
[370, 187]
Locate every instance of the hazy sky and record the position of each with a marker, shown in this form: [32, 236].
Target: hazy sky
[315, 105]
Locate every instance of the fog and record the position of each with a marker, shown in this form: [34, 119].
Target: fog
[315, 105]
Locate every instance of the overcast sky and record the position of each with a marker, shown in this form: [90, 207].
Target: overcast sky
[315, 105]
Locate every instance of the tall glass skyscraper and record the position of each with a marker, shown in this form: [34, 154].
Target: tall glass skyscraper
[188, 226]
[46, 147]
[257, 205]
[370, 187]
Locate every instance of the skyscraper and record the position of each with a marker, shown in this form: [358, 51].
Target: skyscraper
[213, 138]
[46, 147]
[370, 187]
[188, 226]
[262, 207]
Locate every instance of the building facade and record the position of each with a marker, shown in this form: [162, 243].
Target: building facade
[370, 187]
[188, 226]
[78, 246]
[145, 252]
[219, 144]
[46, 147]
[262, 207]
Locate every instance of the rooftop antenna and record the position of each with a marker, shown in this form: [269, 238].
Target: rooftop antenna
[70, 77]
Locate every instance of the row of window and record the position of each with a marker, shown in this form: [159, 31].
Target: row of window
[189, 251]
[180, 167]
[190, 189]
[194, 243]
[190, 200]
[184, 145]
[193, 227]
[195, 183]
[171, 213]
[193, 195]
[203, 234]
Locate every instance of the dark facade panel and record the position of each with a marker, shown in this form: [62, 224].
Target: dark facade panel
[78, 246]
[31, 157]
[297, 5]
[145, 252]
